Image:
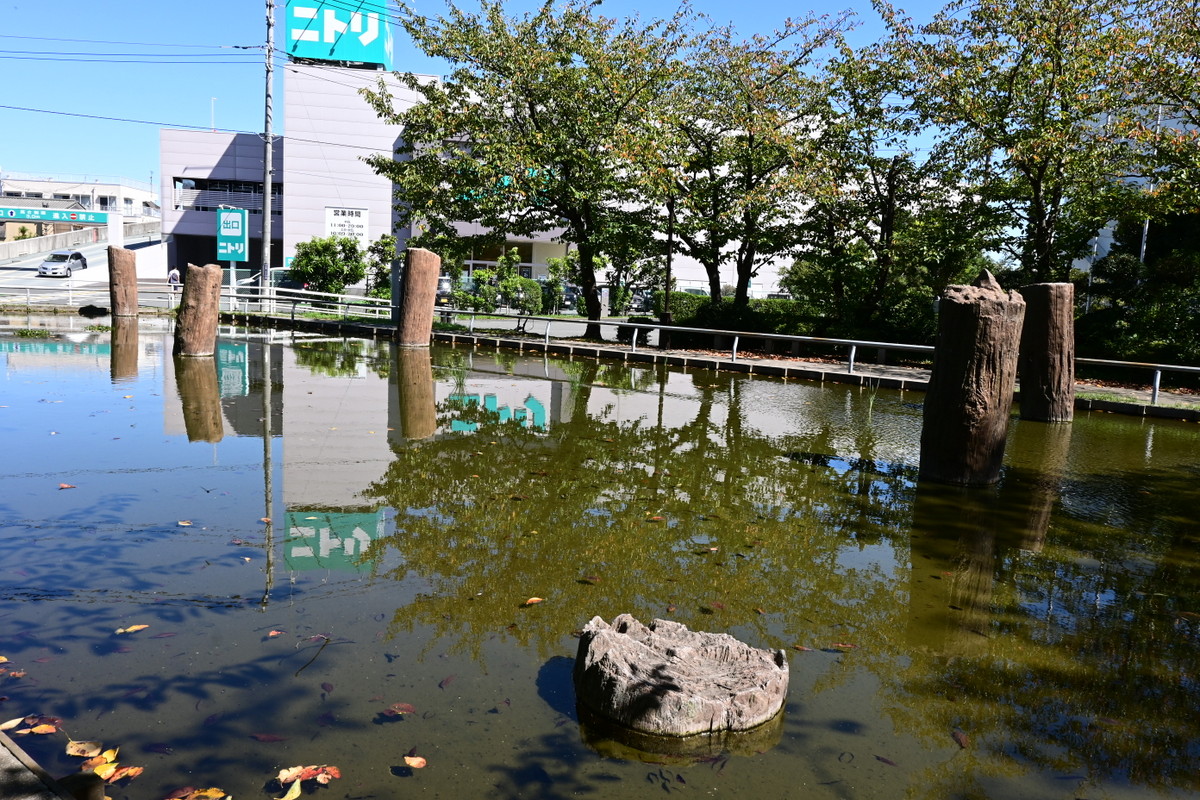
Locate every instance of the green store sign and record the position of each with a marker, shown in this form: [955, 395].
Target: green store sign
[333, 31]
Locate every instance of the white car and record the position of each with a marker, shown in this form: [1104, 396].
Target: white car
[61, 263]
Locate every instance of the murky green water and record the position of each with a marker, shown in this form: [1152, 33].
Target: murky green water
[1040, 639]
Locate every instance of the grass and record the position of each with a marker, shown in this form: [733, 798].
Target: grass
[33, 333]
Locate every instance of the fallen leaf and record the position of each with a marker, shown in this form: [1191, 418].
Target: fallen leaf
[887, 761]
[268, 737]
[843, 644]
[189, 793]
[273, 634]
[67, 486]
[83, 749]
[327, 687]
[3, 659]
[44, 729]
[184, 523]
[265, 519]
[105, 770]
[961, 739]
[132, 629]
[403, 708]
[759, 610]
[670, 608]
[416, 762]
[802, 648]
[125, 772]
[292, 793]
[127, 397]
[655, 519]
[533, 601]
[446, 681]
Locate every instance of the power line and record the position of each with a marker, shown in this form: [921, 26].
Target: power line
[134, 44]
[126, 61]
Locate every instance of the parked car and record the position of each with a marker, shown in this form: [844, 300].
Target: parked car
[61, 263]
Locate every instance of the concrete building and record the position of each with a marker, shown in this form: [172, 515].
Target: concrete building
[134, 201]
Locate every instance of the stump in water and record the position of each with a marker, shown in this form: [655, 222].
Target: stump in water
[970, 393]
[122, 282]
[419, 296]
[199, 310]
[666, 680]
[1047, 363]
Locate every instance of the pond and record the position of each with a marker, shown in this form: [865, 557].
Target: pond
[331, 546]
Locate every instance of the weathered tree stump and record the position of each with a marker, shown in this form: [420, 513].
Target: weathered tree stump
[971, 385]
[418, 298]
[123, 363]
[200, 397]
[122, 282]
[666, 680]
[1047, 361]
[415, 403]
[199, 310]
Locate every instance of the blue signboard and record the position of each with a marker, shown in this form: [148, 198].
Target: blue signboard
[329, 31]
[54, 215]
[233, 238]
[331, 540]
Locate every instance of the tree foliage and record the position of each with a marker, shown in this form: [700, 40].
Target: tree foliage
[329, 264]
[544, 122]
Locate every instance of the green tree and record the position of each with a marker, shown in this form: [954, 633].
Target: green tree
[743, 124]
[381, 254]
[1035, 92]
[544, 122]
[329, 264]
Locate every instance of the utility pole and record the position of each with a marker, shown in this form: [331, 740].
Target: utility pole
[264, 275]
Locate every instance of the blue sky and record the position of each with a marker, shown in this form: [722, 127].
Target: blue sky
[82, 79]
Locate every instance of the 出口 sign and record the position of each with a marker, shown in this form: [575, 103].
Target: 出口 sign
[351, 222]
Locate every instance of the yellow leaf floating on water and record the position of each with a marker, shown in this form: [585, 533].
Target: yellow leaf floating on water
[183, 523]
[212, 793]
[416, 762]
[532, 601]
[3, 659]
[293, 792]
[83, 749]
[43, 729]
[132, 629]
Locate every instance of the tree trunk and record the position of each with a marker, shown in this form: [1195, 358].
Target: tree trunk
[122, 282]
[418, 297]
[1047, 360]
[199, 308]
[123, 365]
[971, 385]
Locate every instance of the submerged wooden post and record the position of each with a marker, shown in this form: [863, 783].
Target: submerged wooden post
[1047, 362]
[199, 308]
[971, 385]
[123, 362]
[418, 297]
[200, 396]
[122, 282]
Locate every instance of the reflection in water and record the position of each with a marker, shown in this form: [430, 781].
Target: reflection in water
[412, 370]
[199, 394]
[124, 364]
[1034, 639]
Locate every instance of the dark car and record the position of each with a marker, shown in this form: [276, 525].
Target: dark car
[61, 263]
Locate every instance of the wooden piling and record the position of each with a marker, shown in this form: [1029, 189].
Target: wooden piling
[1047, 360]
[418, 297]
[122, 282]
[199, 309]
[971, 385]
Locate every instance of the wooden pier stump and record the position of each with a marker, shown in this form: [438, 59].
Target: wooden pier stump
[971, 385]
[123, 363]
[122, 282]
[1047, 361]
[418, 298]
[200, 396]
[199, 309]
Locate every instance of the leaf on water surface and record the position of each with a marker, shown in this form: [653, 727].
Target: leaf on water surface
[718, 605]
[844, 645]
[83, 749]
[3, 659]
[403, 708]
[802, 648]
[188, 793]
[533, 601]
[273, 634]
[961, 739]
[416, 762]
[265, 519]
[292, 793]
[670, 608]
[760, 611]
[267, 737]
[164, 635]
[887, 761]
[43, 729]
[327, 687]
[132, 629]
[446, 681]
[184, 523]
[66, 486]
[125, 772]
[655, 519]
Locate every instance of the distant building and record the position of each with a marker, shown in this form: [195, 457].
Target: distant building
[321, 186]
[135, 201]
